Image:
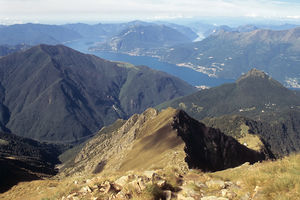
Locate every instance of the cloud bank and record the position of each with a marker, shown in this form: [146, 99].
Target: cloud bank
[35, 10]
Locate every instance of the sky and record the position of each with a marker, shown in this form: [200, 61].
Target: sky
[62, 11]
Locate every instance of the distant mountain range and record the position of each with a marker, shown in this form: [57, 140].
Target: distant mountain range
[102, 31]
[110, 30]
[251, 120]
[185, 30]
[216, 29]
[144, 39]
[230, 54]
[8, 49]
[33, 34]
[155, 34]
[226, 53]
[122, 148]
[56, 94]
[205, 29]
[269, 110]
[246, 28]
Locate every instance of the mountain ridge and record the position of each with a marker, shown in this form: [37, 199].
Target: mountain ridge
[271, 110]
[56, 83]
[33, 34]
[157, 140]
[230, 54]
[144, 39]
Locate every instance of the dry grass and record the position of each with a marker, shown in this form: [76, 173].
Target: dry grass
[157, 145]
[275, 179]
[251, 141]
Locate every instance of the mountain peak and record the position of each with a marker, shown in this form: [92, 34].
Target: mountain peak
[57, 82]
[155, 139]
[254, 73]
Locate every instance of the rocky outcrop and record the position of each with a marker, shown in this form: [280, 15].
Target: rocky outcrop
[116, 150]
[155, 140]
[210, 150]
[270, 110]
[155, 185]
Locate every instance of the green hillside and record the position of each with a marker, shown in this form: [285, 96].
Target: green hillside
[53, 93]
[273, 111]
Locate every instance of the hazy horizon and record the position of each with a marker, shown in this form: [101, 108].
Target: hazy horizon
[93, 11]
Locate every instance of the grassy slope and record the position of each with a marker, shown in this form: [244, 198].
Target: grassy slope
[156, 148]
[276, 179]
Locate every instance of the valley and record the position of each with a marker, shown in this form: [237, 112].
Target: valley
[189, 75]
[144, 158]
[168, 109]
[77, 94]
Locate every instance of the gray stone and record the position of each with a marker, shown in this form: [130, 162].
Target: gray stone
[149, 174]
[122, 181]
[85, 189]
[224, 192]
[105, 187]
[121, 195]
[141, 183]
[161, 183]
[200, 185]
[135, 185]
[168, 195]
[215, 184]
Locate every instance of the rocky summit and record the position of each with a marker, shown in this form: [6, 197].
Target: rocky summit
[160, 155]
[74, 126]
[269, 110]
[154, 140]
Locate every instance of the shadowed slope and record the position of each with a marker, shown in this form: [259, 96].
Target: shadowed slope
[273, 110]
[158, 140]
[53, 93]
[209, 149]
[24, 159]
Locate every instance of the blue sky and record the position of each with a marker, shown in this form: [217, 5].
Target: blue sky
[21, 11]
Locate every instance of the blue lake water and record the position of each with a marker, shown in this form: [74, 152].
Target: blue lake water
[191, 76]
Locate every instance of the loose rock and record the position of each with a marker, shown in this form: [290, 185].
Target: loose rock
[85, 189]
[215, 184]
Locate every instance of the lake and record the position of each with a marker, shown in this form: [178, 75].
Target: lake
[191, 76]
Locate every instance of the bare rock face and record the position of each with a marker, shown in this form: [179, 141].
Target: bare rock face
[210, 150]
[254, 73]
[148, 185]
[153, 140]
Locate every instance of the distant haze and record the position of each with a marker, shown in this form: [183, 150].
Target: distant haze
[62, 11]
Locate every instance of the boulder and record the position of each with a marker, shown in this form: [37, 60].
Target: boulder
[215, 184]
[122, 181]
[85, 189]
[105, 187]
[168, 195]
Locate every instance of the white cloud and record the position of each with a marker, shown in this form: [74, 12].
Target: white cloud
[30, 10]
